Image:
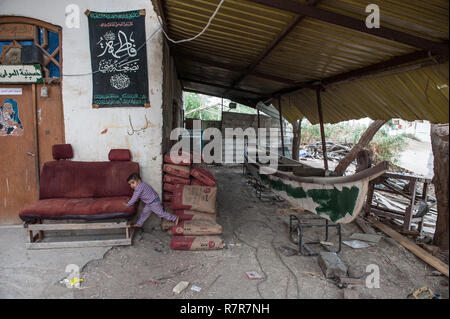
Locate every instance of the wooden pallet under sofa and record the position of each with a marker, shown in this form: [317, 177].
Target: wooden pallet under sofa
[78, 196]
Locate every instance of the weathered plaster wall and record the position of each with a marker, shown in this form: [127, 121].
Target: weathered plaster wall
[93, 132]
[172, 99]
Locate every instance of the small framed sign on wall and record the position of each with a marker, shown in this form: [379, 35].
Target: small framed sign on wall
[20, 74]
[118, 58]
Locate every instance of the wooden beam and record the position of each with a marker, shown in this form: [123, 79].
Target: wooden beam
[78, 226]
[415, 249]
[231, 67]
[291, 25]
[322, 129]
[220, 86]
[80, 244]
[356, 24]
[161, 5]
[250, 103]
[273, 44]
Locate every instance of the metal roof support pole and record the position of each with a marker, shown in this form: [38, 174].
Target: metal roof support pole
[281, 124]
[259, 125]
[322, 130]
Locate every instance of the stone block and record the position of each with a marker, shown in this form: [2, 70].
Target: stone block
[331, 265]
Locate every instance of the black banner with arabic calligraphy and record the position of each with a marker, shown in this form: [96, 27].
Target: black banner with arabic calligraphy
[118, 58]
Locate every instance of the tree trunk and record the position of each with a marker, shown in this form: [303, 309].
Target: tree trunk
[439, 144]
[363, 142]
[296, 140]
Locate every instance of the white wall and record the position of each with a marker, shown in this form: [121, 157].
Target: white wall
[83, 124]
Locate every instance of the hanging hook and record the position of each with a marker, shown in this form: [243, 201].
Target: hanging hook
[138, 130]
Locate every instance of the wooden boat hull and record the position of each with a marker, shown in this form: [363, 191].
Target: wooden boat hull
[338, 199]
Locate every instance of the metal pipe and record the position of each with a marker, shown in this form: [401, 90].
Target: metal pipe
[281, 124]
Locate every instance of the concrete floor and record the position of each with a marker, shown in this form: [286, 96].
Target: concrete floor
[150, 269]
[36, 273]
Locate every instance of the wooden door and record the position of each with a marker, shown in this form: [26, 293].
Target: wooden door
[50, 121]
[18, 151]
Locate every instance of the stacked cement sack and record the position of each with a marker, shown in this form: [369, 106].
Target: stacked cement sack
[191, 194]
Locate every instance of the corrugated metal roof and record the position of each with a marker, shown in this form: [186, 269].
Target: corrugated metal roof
[313, 50]
[411, 95]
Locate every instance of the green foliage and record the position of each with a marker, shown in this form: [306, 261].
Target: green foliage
[191, 102]
[383, 146]
[388, 147]
[194, 101]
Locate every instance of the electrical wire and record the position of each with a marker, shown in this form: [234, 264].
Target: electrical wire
[201, 32]
[259, 262]
[165, 34]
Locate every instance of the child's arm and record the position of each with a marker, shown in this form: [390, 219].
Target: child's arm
[135, 198]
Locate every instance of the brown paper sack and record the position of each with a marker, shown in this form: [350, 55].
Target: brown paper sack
[197, 198]
[199, 227]
[166, 225]
[196, 243]
[193, 215]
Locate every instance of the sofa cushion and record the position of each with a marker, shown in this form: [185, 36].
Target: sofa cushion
[62, 151]
[72, 179]
[78, 208]
[119, 155]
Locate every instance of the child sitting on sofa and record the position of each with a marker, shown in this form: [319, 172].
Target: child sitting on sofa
[150, 198]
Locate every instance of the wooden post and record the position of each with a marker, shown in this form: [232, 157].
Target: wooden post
[362, 143]
[322, 130]
[297, 131]
[440, 147]
[409, 209]
[281, 124]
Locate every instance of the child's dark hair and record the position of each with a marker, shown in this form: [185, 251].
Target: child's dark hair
[134, 176]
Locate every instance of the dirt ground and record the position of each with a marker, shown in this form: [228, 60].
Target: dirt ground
[150, 269]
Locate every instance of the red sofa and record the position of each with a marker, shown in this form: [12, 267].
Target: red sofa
[83, 190]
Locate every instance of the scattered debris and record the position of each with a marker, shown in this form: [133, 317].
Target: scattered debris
[253, 275]
[331, 265]
[424, 293]
[356, 244]
[435, 273]
[412, 247]
[180, 287]
[352, 281]
[74, 282]
[433, 250]
[335, 151]
[364, 225]
[326, 243]
[366, 237]
[196, 288]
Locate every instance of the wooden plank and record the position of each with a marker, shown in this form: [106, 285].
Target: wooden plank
[79, 244]
[80, 226]
[408, 177]
[412, 247]
[365, 227]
